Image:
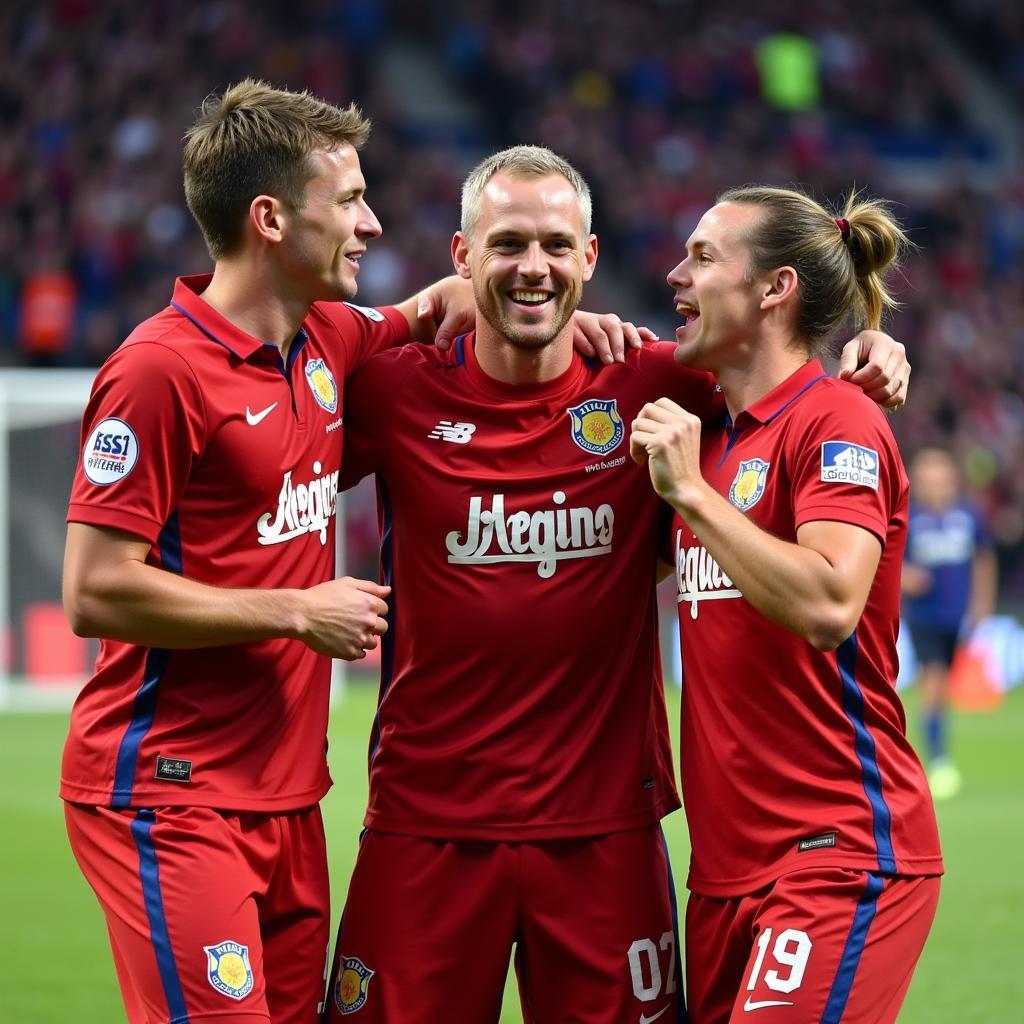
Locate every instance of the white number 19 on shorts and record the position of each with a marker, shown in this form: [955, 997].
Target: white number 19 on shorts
[791, 950]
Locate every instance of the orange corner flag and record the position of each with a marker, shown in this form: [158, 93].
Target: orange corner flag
[973, 682]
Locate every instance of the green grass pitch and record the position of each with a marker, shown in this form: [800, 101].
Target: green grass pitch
[55, 965]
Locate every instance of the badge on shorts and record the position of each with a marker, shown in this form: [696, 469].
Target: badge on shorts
[353, 981]
[228, 969]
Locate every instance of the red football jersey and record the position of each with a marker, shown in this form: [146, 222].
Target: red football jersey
[199, 440]
[521, 692]
[792, 757]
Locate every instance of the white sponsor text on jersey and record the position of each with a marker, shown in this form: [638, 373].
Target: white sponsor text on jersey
[545, 536]
[699, 577]
[301, 509]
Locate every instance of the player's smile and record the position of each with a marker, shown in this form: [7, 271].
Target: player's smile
[713, 295]
[530, 297]
[689, 313]
[329, 233]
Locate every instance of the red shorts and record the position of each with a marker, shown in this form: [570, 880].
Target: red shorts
[819, 945]
[210, 914]
[429, 926]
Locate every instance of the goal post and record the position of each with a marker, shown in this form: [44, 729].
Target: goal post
[42, 663]
[40, 416]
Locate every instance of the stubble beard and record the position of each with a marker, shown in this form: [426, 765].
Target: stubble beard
[494, 313]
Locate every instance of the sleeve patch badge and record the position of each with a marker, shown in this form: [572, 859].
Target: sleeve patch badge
[228, 969]
[368, 311]
[110, 453]
[843, 462]
[353, 981]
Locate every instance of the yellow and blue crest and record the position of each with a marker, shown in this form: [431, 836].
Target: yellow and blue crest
[748, 485]
[596, 425]
[228, 969]
[322, 384]
[353, 981]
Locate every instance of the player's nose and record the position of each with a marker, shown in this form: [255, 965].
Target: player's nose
[533, 261]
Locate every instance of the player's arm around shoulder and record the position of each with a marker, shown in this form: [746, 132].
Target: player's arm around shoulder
[877, 363]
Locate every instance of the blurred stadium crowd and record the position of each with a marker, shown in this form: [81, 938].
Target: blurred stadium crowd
[660, 104]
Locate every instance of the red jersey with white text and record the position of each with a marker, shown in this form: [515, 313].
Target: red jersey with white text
[521, 692]
[199, 440]
[793, 757]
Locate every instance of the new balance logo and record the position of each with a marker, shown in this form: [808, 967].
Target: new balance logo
[457, 433]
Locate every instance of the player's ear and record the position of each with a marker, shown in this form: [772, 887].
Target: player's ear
[589, 257]
[460, 255]
[266, 215]
[780, 287]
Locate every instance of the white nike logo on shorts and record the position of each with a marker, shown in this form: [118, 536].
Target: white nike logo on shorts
[252, 418]
[644, 1019]
[750, 1005]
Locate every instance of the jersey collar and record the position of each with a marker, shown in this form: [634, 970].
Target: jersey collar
[765, 409]
[188, 301]
[533, 391]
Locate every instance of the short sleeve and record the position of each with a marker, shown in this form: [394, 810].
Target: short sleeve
[143, 431]
[363, 331]
[847, 467]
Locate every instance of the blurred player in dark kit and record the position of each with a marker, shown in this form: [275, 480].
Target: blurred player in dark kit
[519, 761]
[949, 585]
[815, 854]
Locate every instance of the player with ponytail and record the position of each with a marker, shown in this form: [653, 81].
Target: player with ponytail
[815, 863]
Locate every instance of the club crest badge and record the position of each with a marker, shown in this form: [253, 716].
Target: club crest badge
[353, 981]
[596, 425]
[748, 485]
[322, 384]
[228, 969]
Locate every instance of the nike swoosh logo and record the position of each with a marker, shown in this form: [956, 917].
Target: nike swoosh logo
[644, 1019]
[748, 1005]
[252, 418]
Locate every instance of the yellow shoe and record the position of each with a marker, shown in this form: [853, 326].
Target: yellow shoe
[944, 779]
